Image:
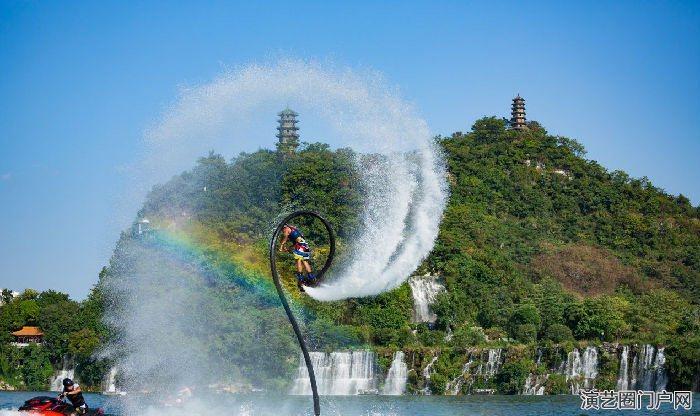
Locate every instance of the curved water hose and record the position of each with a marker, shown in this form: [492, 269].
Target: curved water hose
[283, 299]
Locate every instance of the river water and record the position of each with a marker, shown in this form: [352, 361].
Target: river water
[265, 405]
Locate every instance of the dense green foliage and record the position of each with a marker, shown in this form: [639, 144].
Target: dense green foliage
[537, 236]
[71, 329]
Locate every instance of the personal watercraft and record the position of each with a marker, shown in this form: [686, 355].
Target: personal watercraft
[51, 406]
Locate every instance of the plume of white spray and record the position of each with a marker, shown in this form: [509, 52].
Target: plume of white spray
[406, 189]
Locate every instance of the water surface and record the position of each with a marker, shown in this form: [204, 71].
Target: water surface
[267, 405]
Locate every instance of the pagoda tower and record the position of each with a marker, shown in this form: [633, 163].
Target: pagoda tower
[287, 132]
[517, 113]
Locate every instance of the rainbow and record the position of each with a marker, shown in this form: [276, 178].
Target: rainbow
[221, 263]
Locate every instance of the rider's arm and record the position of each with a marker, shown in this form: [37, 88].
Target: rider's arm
[74, 391]
[284, 241]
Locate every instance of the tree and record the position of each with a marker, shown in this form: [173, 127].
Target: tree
[36, 367]
[467, 336]
[83, 343]
[58, 321]
[600, 318]
[558, 333]
[526, 333]
[511, 378]
[525, 318]
[6, 297]
[29, 310]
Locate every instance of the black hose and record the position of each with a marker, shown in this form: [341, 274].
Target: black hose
[280, 292]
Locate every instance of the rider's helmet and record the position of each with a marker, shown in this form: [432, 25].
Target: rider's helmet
[67, 382]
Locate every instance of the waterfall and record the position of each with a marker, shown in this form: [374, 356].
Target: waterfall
[650, 369]
[534, 384]
[448, 334]
[623, 382]
[66, 371]
[338, 373]
[493, 363]
[635, 371]
[424, 290]
[573, 364]
[395, 384]
[573, 370]
[489, 363]
[454, 386]
[581, 371]
[426, 375]
[590, 366]
[660, 370]
[109, 384]
[647, 372]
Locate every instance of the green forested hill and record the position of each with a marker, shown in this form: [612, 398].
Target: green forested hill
[538, 246]
[532, 222]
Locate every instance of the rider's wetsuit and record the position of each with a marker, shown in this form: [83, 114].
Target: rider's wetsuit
[77, 400]
[301, 247]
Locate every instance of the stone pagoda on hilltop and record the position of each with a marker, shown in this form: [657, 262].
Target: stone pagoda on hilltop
[287, 132]
[517, 114]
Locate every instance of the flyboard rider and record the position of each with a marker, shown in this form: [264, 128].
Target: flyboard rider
[301, 252]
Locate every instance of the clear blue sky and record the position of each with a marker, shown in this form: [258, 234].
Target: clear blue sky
[79, 82]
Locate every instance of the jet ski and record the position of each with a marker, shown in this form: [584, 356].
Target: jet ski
[51, 406]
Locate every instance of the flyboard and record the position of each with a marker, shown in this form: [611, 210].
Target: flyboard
[319, 277]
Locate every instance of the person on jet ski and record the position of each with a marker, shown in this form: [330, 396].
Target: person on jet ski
[301, 251]
[72, 391]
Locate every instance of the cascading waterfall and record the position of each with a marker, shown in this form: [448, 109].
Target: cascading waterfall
[424, 290]
[492, 365]
[623, 375]
[647, 372]
[534, 384]
[109, 384]
[635, 371]
[589, 368]
[580, 367]
[454, 387]
[66, 371]
[660, 370]
[344, 373]
[427, 371]
[486, 363]
[395, 384]
[581, 371]
[573, 364]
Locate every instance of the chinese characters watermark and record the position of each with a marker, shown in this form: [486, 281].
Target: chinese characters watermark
[634, 399]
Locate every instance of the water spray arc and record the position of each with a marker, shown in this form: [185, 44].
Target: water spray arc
[283, 299]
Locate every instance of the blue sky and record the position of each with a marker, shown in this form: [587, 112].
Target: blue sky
[80, 82]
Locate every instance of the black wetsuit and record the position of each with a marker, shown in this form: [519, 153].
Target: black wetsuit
[77, 400]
